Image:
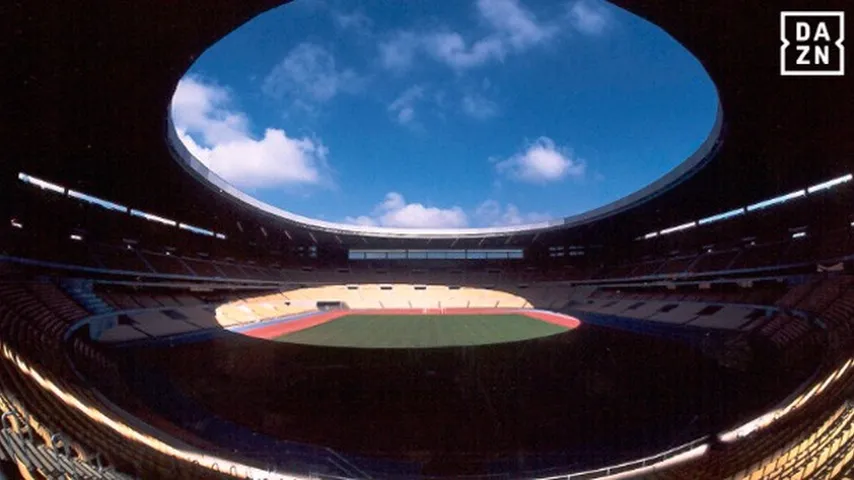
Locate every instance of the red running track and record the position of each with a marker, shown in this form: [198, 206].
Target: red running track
[435, 311]
[555, 318]
[272, 331]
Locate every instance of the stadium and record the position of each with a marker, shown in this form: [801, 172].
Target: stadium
[158, 322]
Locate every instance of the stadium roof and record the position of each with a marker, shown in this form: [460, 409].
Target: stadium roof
[88, 95]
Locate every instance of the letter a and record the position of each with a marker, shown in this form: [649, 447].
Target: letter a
[821, 32]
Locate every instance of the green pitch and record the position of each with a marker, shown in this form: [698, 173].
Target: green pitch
[422, 331]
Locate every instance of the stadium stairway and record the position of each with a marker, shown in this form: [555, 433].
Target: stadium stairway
[83, 292]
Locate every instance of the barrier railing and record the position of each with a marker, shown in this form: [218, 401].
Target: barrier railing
[682, 453]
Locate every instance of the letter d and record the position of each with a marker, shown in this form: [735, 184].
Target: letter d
[802, 31]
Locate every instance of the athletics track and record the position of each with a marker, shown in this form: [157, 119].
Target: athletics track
[268, 331]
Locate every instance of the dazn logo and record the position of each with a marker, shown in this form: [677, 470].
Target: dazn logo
[812, 43]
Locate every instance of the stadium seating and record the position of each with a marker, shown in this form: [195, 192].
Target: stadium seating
[39, 382]
[52, 311]
[365, 296]
[742, 256]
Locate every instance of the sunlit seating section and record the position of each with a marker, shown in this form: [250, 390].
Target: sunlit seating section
[427, 296]
[813, 454]
[235, 314]
[364, 296]
[513, 302]
[308, 297]
[40, 453]
[22, 318]
[809, 436]
[816, 441]
[384, 296]
[261, 308]
[45, 397]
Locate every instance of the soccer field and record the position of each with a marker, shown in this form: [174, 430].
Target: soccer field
[422, 331]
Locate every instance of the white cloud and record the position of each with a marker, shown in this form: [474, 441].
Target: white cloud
[453, 50]
[541, 162]
[355, 21]
[588, 17]
[309, 74]
[362, 220]
[274, 160]
[514, 22]
[394, 211]
[491, 213]
[219, 137]
[201, 109]
[398, 53]
[479, 107]
[511, 27]
[403, 107]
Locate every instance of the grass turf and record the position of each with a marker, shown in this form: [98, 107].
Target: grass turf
[421, 331]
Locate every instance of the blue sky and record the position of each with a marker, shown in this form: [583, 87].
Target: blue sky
[444, 114]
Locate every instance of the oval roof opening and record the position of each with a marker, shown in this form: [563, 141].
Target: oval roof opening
[477, 116]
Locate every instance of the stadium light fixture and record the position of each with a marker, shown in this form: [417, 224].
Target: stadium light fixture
[152, 217]
[43, 184]
[799, 234]
[721, 216]
[200, 231]
[830, 183]
[776, 200]
[76, 237]
[97, 201]
[679, 228]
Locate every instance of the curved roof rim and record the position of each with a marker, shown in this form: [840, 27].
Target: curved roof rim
[677, 175]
